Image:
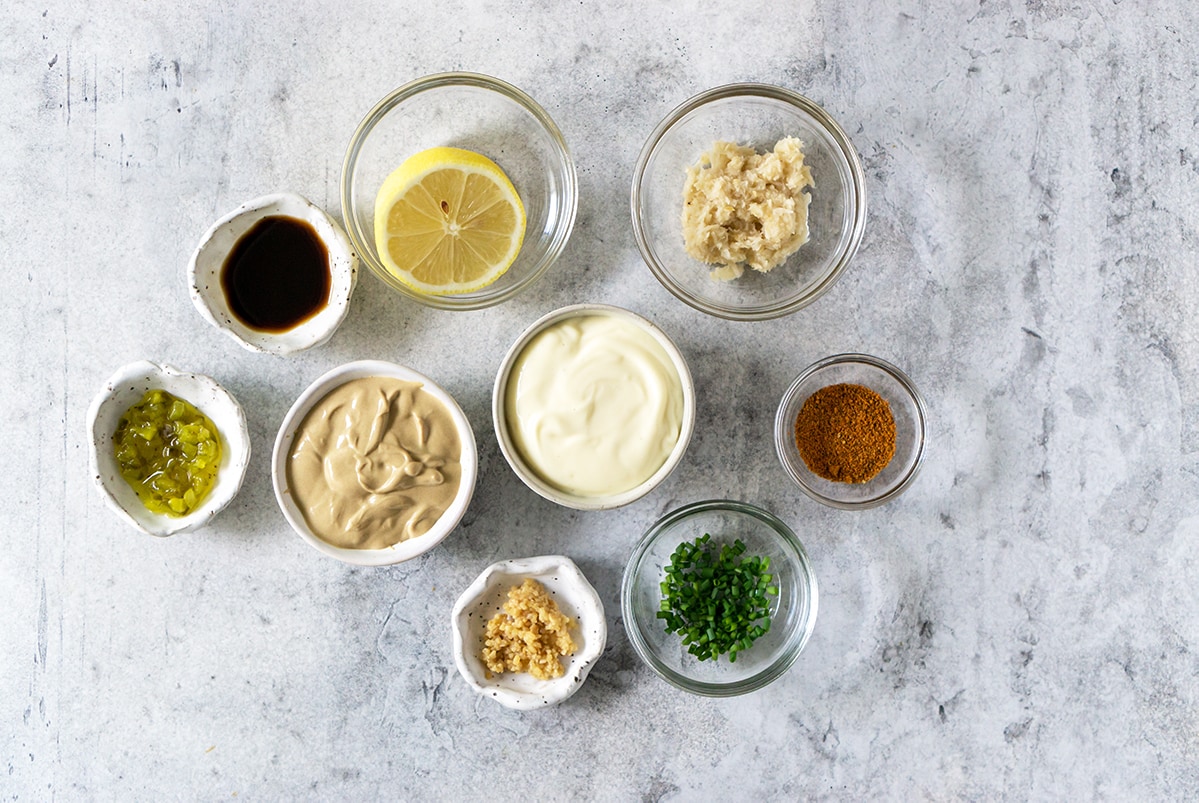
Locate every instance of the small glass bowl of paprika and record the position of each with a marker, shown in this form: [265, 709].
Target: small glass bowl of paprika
[850, 431]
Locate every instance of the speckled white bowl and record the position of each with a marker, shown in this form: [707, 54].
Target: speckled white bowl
[485, 598]
[204, 274]
[404, 550]
[124, 389]
[528, 473]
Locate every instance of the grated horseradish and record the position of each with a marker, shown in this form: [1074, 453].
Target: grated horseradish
[742, 208]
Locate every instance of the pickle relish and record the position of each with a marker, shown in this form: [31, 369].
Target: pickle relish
[168, 451]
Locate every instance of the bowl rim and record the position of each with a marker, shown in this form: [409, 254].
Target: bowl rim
[585, 600]
[568, 206]
[343, 274]
[789, 652]
[788, 453]
[527, 475]
[846, 150]
[235, 443]
[313, 395]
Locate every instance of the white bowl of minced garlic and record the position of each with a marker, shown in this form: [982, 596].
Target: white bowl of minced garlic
[528, 631]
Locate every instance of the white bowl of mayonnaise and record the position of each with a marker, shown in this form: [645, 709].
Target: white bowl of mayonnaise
[593, 406]
[374, 464]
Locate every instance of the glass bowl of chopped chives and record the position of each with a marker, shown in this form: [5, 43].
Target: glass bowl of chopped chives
[719, 598]
[850, 431]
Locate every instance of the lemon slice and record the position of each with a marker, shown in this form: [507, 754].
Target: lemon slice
[448, 221]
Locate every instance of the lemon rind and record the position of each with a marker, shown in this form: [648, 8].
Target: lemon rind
[414, 170]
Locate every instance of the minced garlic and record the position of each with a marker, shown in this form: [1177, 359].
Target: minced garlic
[745, 208]
[530, 635]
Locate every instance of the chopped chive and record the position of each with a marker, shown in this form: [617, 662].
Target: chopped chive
[715, 599]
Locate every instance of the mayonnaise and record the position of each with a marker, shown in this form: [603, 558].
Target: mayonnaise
[594, 405]
[375, 462]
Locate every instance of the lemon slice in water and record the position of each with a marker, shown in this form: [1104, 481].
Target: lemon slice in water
[448, 221]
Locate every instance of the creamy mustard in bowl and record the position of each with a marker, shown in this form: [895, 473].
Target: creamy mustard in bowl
[374, 463]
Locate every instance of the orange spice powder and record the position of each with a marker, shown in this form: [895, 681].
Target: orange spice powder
[845, 433]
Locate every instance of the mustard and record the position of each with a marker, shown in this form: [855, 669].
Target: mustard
[374, 463]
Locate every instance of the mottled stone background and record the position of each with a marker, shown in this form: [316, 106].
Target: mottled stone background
[1024, 622]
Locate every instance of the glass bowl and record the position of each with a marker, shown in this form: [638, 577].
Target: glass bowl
[793, 611]
[481, 114]
[756, 115]
[907, 407]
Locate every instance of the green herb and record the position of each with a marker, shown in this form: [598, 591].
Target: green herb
[716, 599]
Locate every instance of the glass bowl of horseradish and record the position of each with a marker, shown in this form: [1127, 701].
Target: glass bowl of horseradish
[374, 464]
[458, 191]
[850, 431]
[748, 201]
[593, 406]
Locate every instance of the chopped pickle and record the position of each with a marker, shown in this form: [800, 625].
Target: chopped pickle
[168, 451]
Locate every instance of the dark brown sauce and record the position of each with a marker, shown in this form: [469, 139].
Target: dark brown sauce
[277, 276]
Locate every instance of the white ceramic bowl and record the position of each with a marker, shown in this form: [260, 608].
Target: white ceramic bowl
[204, 274]
[404, 550]
[485, 598]
[512, 454]
[126, 388]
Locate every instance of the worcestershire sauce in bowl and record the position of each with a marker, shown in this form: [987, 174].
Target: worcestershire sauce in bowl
[277, 276]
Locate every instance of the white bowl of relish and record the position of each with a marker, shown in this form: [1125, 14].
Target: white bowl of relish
[126, 388]
[593, 406]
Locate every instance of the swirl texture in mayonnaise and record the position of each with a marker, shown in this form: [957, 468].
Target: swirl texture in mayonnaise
[594, 405]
